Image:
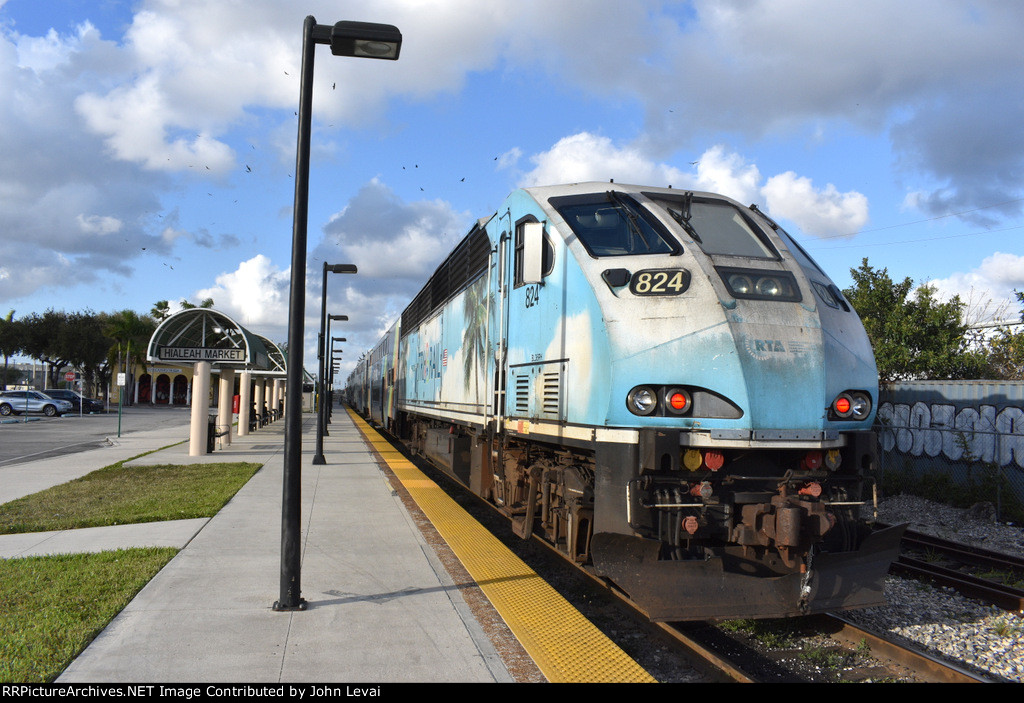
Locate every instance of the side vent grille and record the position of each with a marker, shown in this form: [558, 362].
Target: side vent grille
[522, 394]
[552, 394]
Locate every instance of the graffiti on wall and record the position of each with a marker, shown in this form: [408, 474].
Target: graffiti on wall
[986, 433]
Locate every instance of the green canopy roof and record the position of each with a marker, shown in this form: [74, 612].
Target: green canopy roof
[205, 334]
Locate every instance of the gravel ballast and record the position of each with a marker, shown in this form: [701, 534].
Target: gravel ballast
[947, 624]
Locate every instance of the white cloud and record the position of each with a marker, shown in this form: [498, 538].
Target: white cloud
[989, 288]
[99, 225]
[96, 128]
[396, 245]
[590, 157]
[255, 294]
[818, 212]
[728, 174]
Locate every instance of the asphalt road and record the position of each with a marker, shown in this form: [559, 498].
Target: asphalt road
[42, 437]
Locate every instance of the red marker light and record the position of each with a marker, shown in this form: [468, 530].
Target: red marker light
[843, 405]
[676, 400]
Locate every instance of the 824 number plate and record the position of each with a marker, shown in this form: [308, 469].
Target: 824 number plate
[659, 282]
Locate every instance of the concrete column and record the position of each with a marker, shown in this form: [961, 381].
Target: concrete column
[259, 396]
[200, 408]
[244, 399]
[280, 385]
[273, 394]
[224, 413]
[267, 387]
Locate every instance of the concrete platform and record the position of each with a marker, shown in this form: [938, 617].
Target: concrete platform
[381, 607]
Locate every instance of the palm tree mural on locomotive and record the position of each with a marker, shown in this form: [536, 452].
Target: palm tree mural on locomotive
[475, 307]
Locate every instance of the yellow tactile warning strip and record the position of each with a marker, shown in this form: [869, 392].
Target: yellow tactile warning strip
[562, 643]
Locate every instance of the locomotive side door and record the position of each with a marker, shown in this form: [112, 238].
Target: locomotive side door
[535, 371]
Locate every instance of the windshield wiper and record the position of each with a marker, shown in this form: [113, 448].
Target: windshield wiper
[634, 224]
[683, 218]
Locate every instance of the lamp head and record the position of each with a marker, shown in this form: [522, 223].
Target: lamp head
[366, 40]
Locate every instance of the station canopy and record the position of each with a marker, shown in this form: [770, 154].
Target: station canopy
[205, 334]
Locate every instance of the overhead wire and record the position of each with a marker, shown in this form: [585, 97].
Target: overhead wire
[816, 240]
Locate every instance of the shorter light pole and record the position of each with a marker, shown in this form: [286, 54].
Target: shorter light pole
[318, 458]
[330, 376]
[323, 362]
[324, 418]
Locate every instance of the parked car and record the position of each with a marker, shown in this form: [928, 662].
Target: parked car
[89, 405]
[17, 402]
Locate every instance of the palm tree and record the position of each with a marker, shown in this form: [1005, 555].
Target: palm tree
[161, 310]
[130, 334]
[186, 305]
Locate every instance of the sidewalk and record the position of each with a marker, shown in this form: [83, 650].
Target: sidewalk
[381, 607]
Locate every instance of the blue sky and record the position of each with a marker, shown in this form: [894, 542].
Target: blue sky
[149, 146]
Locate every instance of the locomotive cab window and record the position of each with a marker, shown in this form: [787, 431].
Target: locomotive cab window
[612, 224]
[717, 226]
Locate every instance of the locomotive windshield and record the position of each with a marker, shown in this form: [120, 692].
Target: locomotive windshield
[717, 226]
[611, 224]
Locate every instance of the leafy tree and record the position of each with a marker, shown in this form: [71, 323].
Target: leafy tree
[92, 351]
[914, 335]
[1006, 350]
[186, 305]
[10, 343]
[161, 310]
[48, 338]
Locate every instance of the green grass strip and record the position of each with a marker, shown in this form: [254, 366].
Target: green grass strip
[121, 495]
[52, 607]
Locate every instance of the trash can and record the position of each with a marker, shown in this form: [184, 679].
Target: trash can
[211, 433]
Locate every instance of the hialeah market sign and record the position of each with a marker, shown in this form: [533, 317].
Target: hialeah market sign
[194, 354]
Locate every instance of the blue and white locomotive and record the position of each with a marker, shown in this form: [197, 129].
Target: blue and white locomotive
[662, 384]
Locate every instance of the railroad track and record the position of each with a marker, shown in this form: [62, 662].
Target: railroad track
[923, 665]
[724, 657]
[957, 566]
[858, 654]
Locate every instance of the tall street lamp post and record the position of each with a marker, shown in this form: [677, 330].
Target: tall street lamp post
[375, 41]
[321, 416]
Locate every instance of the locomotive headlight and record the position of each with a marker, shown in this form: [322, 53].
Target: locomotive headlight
[861, 407]
[677, 400]
[642, 400]
[769, 287]
[752, 284]
[741, 284]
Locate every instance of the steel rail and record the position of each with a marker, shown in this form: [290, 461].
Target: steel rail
[929, 668]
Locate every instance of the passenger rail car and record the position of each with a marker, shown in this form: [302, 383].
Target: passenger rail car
[663, 384]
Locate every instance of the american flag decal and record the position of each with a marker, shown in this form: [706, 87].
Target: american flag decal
[444, 358]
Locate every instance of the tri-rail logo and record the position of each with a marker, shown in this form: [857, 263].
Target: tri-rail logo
[764, 349]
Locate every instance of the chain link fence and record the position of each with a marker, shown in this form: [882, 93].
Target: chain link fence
[960, 467]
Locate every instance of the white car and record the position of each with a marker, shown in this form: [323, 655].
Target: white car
[17, 402]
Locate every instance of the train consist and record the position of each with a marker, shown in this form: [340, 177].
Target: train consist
[662, 384]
